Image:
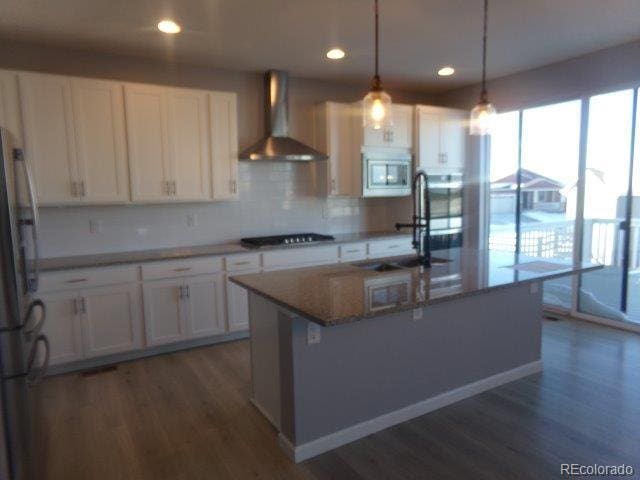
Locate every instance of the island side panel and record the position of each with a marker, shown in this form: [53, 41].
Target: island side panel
[362, 370]
[265, 357]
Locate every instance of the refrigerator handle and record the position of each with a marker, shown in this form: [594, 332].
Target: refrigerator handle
[32, 277]
[35, 375]
[34, 329]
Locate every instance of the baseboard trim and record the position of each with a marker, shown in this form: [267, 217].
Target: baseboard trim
[90, 363]
[299, 453]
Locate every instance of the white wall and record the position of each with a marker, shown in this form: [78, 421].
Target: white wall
[274, 197]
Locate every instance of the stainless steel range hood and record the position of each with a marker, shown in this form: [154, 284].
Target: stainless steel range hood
[277, 145]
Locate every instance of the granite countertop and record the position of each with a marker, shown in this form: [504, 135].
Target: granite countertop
[176, 253]
[341, 293]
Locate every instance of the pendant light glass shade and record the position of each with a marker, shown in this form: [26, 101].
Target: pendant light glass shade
[483, 119]
[376, 112]
[376, 106]
[483, 115]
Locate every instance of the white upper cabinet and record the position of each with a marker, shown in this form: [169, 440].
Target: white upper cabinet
[441, 135]
[10, 117]
[189, 156]
[183, 144]
[335, 133]
[101, 145]
[75, 139]
[49, 137]
[148, 137]
[224, 145]
[400, 135]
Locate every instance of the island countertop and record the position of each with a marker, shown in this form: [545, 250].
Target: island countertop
[341, 293]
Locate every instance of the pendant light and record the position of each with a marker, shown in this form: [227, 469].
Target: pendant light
[483, 115]
[377, 104]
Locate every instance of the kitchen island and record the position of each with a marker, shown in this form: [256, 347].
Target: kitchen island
[341, 351]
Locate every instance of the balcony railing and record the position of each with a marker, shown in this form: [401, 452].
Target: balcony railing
[603, 240]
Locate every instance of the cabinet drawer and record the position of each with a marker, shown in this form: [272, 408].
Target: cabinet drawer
[390, 248]
[300, 257]
[238, 263]
[181, 268]
[87, 277]
[353, 251]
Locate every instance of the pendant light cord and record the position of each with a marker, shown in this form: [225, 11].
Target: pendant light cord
[376, 78]
[483, 94]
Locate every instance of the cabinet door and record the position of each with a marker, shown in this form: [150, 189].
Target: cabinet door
[452, 140]
[238, 305]
[344, 158]
[49, 136]
[429, 157]
[224, 145]
[164, 315]
[188, 120]
[62, 327]
[111, 319]
[98, 113]
[10, 117]
[205, 305]
[147, 135]
[401, 134]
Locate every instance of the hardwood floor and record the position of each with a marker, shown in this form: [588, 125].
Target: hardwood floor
[187, 416]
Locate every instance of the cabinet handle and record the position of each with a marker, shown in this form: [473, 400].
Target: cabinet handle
[174, 188]
[188, 291]
[445, 158]
[333, 184]
[234, 186]
[182, 269]
[353, 250]
[76, 309]
[242, 263]
[180, 292]
[74, 189]
[83, 303]
[83, 193]
[392, 246]
[77, 280]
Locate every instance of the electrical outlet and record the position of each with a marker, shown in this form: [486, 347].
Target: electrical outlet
[313, 333]
[95, 226]
[192, 220]
[417, 313]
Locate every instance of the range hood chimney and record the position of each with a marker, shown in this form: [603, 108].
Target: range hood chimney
[277, 145]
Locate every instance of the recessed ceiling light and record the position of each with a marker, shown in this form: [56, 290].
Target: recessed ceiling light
[335, 54]
[169, 26]
[446, 71]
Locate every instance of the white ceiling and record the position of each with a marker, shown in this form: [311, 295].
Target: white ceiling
[417, 36]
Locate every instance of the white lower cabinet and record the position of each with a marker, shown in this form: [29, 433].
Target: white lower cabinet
[62, 326]
[93, 322]
[205, 306]
[179, 309]
[238, 305]
[111, 319]
[164, 316]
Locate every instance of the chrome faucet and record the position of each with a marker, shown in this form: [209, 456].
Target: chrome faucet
[421, 218]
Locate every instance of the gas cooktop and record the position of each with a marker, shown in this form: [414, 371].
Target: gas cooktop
[291, 239]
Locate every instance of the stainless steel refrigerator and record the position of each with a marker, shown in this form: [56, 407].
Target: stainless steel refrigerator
[24, 349]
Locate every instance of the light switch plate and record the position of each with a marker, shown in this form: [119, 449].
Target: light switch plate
[192, 220]
[417, 313]
[314, 334]
[95, 226]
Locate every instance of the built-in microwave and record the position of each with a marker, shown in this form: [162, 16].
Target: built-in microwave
[386, 174]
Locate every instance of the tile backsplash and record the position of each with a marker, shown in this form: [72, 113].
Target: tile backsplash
[274, 198]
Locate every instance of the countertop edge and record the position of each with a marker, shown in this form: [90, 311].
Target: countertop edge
[411, 306]
[179, 253]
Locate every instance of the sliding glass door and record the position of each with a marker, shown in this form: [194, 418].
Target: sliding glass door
[541, 186]
[548, 188]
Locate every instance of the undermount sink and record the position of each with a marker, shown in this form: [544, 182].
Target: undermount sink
[400, 264]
